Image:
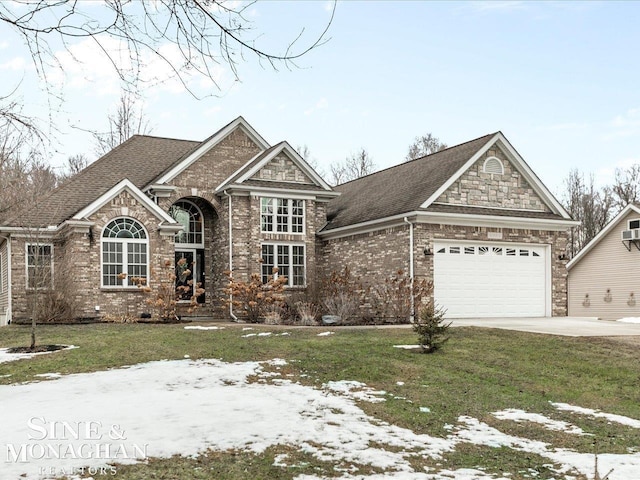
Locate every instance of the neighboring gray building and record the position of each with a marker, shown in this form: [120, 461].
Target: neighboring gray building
[474, 218]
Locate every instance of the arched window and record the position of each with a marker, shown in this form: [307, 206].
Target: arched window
[493, 165]
[124, 254]
[189, 216]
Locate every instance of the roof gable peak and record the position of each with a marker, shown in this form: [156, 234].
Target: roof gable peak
[209, 143]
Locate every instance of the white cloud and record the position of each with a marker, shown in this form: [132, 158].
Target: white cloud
[16, 64]
[320, 105]
[496, 5]
[90, 65]
[625, 125]
[558, 127]
[212, 111]
[4, 45]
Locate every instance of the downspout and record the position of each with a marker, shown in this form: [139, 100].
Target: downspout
[413, 307]
[9, 289]
[233, 316]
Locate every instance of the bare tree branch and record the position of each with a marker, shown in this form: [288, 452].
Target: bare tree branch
[355, 166]
[204, 32]
[424, 145]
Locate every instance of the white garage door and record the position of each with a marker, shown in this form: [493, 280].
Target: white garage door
[491, 279]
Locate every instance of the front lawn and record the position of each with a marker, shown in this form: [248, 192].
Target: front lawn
[479, 372]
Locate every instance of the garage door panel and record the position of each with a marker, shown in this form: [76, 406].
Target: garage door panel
[490, 279]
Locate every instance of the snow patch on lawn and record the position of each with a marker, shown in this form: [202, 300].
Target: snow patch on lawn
[326, 334]
[199, 327]
[622, 420]
[407, 347]
[5, 356]
[184, 407]
[355, 390]
[521, 416]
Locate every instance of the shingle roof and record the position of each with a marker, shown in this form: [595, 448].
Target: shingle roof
[141, 159]
[399, 189]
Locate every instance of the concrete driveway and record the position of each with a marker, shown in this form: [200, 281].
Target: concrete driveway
[567, 326]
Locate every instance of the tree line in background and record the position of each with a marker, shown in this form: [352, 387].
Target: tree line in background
[595, 206]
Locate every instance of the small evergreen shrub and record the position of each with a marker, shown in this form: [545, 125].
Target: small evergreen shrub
[431, 328]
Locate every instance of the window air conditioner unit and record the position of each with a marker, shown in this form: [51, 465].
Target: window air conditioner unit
[633, 234]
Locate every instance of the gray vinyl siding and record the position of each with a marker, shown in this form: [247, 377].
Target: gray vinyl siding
[608, 265]
[4, 282]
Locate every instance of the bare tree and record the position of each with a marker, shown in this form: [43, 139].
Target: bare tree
[626, 186]
[424, 145]
[587, 204]
[75, 164]
[188, 37]
[128, 120]
[355, 166]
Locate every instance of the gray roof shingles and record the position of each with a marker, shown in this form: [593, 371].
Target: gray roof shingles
[141, 159]
[400, 189]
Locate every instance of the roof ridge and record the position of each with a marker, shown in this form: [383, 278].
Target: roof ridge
[419, 158]
[161, 137]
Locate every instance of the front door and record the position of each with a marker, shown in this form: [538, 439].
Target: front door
[186, 271]
[189, 266]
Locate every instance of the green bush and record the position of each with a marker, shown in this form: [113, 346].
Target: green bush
[431, 328]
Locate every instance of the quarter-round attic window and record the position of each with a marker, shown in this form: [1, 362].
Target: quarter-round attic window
[493, 165]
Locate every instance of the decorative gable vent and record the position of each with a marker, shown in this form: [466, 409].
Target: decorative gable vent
[493, 165]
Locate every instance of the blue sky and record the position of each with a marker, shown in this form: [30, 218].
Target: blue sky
[560, 79]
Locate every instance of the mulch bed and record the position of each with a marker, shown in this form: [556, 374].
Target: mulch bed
[37, 349]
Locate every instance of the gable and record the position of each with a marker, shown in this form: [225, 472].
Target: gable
[219, 162]
[604, 248]
[509, 189]
[279, 166]
[282, 169]
[125, 194]
[239, 126]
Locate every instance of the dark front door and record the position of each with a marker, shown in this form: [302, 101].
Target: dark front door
[189, 266]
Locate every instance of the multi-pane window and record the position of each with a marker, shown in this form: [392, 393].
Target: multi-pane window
[124, 254]
[288, 259]
[39, 266]
[190, 217]
[282, 215]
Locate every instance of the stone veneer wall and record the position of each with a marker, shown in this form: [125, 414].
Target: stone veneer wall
[375, 255]
[75, 250]
[510, 190]
[282, 169]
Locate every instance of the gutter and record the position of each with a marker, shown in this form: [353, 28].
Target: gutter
[233, 316]
[8, 312]
[411, 273]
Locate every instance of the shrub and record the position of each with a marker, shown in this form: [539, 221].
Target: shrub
[431, 328]
[253, 297]
[342, 295]
[164, 298]
[391, 300]
[307, 313]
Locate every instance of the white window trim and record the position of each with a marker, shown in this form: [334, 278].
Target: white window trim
[1, 274]
[484, 166]
[191, 245]
[274, 216]
[26, 264]
[632, 220]
[275, 261]
[125, 252]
